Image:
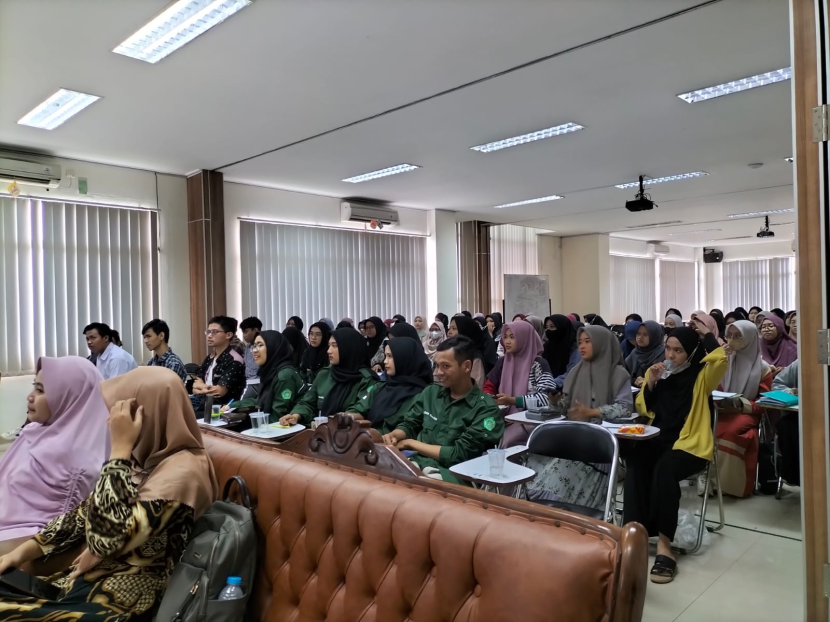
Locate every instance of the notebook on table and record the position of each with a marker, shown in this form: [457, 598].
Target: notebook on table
[778, 398]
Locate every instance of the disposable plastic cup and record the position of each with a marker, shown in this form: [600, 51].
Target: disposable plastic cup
[496, 457]
[318, 421]
[259, 421]
[215, 414]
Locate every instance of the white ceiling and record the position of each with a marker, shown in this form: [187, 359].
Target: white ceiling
[285, 71]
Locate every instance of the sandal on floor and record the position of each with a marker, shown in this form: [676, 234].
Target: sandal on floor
[663, 570]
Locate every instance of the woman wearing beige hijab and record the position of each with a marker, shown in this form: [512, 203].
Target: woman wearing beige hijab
[135, 524]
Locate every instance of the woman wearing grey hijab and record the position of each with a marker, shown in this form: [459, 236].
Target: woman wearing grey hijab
[598, 388]
[650, 350]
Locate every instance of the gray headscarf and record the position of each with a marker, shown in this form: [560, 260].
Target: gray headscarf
[328, 322]
[678, 321]
[746, 368]
[538, 325]
[603, 376]
[641, 359]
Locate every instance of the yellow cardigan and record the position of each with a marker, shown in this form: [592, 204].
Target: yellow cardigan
[696, 435]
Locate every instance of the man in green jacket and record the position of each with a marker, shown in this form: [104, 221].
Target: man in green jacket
[452, 422]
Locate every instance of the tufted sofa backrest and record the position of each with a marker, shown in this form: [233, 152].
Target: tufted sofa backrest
[342, 545]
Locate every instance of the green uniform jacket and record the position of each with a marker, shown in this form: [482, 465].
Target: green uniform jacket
[286, 393]
[464, 428]
[312, 401]
[364, 406]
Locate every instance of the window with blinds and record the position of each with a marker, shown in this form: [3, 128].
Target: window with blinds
[314, 272]
[632, 288]
[766, 283]
[65, 265]
[513, 250]
[678, 287]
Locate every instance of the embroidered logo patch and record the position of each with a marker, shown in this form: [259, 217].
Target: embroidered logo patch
[489, 423]
[286, 395]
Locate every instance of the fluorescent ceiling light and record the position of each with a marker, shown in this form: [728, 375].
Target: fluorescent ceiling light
[661, 180]
[767, 212]
[57, 109]
[694, 232]
[668, 223]
[736, 86]
[790, 160]
[384, 172]
[177, 25]
[566, 128]
[552, 197]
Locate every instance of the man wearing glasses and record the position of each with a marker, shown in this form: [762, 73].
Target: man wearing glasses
[222, 375]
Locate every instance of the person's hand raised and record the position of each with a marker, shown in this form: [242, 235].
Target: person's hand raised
[125, 421]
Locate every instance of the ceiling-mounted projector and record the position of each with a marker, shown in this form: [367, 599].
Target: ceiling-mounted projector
[765, 232]
[641, 202]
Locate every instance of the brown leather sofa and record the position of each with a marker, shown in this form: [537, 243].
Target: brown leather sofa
[341, 543]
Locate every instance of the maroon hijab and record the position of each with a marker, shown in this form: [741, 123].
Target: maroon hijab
[782, 351]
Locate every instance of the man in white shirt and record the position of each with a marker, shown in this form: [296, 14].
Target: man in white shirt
[111, 360]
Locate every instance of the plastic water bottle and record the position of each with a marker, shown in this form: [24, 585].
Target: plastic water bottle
[232, 591]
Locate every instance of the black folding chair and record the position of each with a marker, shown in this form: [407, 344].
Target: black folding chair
[581, 442]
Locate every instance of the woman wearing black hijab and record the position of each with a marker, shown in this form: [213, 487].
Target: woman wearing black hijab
[375, 335]
[594, 319]
[315, 356]
[742, 313]
[484, 343]
[295, 322]
[402, 329]
[338, 387]
[399, 319]
[409, 372]
[717, 314]
[442, 317]
[494, 324]
[298, 344]
[676, 399]
[560, 349]
[280, 382]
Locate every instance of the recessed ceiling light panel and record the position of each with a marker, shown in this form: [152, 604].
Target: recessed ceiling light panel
[177, 25]
[694, 232]
[668, 223]
[764, 213]
[552, 197]
[558, 130]
[736, 86]
[384, 172]
[662, 180]
[57, 109]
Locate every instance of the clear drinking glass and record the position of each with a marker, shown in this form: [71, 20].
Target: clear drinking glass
[496, 457]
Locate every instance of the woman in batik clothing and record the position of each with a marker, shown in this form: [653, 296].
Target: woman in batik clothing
[133, 528]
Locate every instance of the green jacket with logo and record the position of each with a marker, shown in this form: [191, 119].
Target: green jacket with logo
[364, 406]
[312, 401]
[286, 393]
[465, 428]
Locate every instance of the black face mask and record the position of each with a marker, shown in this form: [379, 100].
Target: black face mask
[550, 334]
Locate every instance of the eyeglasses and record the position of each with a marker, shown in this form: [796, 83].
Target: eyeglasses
[257, 346]
[211, 333]
[767, 327]
[729, 337]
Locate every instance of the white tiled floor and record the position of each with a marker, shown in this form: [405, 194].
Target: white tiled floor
[752, 570]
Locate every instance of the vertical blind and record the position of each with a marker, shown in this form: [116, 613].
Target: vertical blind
[632, 288]
[313, 272]
[513, 250]
[678, 286]
[767, 283]
[65, 265]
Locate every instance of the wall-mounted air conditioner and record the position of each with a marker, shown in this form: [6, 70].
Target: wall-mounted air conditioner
[658, 249]
[30, 173]
[366, 212]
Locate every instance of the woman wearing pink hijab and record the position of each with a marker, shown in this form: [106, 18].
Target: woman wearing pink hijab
[520, 374]
[710, 323]
[55, 461]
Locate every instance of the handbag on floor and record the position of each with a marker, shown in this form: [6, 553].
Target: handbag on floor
[222, 545]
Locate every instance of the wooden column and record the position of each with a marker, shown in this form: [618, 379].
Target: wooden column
[206, 239]
[811, 313]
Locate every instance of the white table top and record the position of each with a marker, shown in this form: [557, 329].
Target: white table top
[220, 423]
[521, 417]
[478, 469]
[269, 431]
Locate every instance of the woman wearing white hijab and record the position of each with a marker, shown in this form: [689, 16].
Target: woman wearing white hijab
[739, 417]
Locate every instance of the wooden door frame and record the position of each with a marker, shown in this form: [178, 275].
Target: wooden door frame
[808, 92]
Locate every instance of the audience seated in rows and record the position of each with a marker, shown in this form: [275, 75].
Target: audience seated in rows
[137, 520]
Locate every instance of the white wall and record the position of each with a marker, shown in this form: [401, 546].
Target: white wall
[758, 250]
[549, 248]
[445, 256]
[114, 185]
[586, 284]
[255, 202]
